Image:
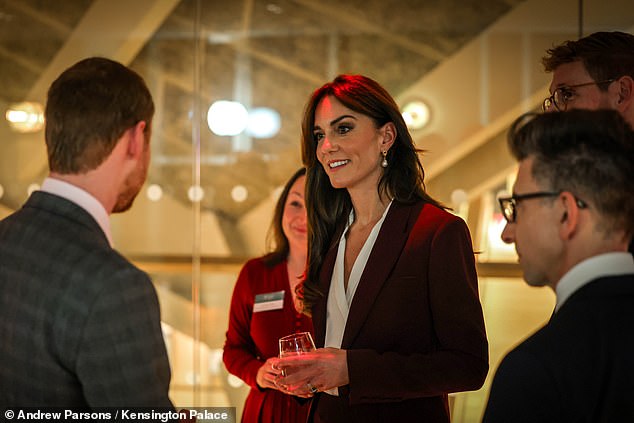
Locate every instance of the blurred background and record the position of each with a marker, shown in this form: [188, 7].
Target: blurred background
[230, 79]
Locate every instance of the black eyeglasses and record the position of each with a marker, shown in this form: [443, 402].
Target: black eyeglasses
[564, 94]
[509, 204]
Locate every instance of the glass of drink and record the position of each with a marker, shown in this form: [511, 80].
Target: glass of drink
[295, 344]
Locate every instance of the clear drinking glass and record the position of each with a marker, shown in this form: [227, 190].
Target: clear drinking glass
[295, 344]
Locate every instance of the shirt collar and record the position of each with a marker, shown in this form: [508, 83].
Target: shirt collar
[83, 199]
[609, 264]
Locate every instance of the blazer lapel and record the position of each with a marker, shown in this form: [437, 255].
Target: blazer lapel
[385, 253]
[320, 308]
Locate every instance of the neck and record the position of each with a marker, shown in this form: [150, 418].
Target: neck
[296, 264]
[92, 183]
[297, 260]
[368, 209]
[593, 244]
[628, 115]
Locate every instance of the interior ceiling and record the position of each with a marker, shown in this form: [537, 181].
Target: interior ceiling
[270, 53]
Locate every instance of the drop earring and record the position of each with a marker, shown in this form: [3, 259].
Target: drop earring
[384, 162]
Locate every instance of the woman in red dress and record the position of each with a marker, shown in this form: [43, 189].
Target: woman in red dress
[264, 307]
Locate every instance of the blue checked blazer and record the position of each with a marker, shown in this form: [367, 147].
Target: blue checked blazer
[79, 324]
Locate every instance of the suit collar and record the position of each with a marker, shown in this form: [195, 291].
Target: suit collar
[65, 209]
[82, 198]
[608, 264]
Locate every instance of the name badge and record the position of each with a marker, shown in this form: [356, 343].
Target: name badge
[269, 301]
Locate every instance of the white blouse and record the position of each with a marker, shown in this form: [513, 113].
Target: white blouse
[339, 299]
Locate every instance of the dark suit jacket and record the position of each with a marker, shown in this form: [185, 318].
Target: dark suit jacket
[79, 324]
[577, 368]
[415, 330]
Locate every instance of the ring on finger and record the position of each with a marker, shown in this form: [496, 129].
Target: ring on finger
[312, 389]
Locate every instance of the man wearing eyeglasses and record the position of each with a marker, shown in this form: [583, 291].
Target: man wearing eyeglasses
[570, 217]
[594, 72]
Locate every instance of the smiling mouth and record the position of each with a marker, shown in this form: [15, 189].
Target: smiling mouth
[338, 163]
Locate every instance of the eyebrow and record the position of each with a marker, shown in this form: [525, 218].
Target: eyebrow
[564, 85]
[295, 193]
[334, 121]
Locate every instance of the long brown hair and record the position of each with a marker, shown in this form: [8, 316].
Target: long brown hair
[328, 208]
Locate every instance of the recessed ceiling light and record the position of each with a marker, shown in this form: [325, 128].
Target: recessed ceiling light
[416, 114]
[263, 122]
[239, 193]
[154, 192]
[195, 193]
[227, 118]
[25, 117]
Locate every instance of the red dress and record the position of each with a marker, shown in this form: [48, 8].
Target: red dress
[252, 338]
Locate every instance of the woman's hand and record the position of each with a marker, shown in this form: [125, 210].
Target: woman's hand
[268, 373]
[308, 373]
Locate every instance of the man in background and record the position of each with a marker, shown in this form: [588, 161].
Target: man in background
[570, 217]
[594, 72]
[79, 324]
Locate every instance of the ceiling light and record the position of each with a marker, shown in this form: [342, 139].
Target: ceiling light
[154, 192]
[263, 122]
[416, 114]
[195, 193]
[25, 117]
[227, 118]
[239, 193]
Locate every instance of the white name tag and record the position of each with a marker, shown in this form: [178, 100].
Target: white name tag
[269, 301]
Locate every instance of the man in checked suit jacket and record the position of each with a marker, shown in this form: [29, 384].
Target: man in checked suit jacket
[570, 218]
[79, 324]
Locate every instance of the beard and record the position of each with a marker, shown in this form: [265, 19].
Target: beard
[131, 188]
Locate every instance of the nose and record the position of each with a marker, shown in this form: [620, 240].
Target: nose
[327, 145]
[508, 234]
[303, 218]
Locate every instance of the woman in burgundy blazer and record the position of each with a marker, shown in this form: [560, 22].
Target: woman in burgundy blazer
[264, 307]
[391, 278]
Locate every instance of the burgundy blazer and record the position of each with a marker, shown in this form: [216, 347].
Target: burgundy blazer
[415, 330]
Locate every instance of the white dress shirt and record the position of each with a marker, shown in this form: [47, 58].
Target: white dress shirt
[609, 264]
[83, 199]
[339, 299]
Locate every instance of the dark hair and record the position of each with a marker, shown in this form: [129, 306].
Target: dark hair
[89, 107]
[587, 152]
[605, 55]
[328, 208]
[275, 236]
